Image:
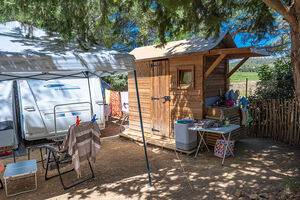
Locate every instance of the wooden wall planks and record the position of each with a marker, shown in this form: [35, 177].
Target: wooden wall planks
[183, 102]
[143, 79]
[216, 80]
[186, 102]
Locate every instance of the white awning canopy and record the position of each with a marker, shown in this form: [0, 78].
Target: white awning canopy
[37, 54]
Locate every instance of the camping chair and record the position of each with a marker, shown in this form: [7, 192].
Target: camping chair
[1, 169]
[79, 135]
[58, 159]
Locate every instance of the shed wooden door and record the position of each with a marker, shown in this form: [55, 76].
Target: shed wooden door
[160, 103]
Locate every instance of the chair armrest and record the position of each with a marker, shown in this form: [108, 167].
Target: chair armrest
[51, 148]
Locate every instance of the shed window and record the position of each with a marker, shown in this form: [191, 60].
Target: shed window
[185, 77]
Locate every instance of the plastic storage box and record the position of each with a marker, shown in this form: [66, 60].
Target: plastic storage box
[185, 139]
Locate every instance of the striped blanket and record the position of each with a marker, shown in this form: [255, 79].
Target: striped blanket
[82, 143]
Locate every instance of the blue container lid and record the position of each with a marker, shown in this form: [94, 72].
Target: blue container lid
[185, 121]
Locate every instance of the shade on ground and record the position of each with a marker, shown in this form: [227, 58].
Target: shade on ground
[259, 166]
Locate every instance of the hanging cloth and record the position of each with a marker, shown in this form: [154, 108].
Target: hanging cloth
[107, 111]
[124, 101]
[115, 102]
[107, 96]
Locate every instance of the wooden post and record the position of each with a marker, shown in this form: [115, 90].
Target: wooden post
[292, 121]
[270, 134]
[246, 87]
[274, 119]
[282, 119]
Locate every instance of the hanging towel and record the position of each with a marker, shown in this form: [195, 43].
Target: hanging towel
[107, 111]
[124, 101]
[115, 103]
[107, 96]
[82, 143]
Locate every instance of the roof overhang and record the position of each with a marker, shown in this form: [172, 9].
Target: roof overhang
[236, 53]
[232, 53]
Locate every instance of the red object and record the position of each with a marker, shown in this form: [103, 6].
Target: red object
[115, 102]
[77, 120]
[5, 153]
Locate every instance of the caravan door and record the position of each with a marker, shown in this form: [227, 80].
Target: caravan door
[70, 98]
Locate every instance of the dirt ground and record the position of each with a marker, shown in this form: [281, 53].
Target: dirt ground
[261, 169]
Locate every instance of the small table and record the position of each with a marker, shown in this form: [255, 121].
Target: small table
[20, 170]
[224, 131]
[39, 146]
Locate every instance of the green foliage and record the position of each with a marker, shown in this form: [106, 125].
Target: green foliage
[108, 23]
[118, 82]
[275, 82]
[241, 76]
[173, 17]
[124, 25]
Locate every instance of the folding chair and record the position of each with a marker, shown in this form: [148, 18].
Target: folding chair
[60, 158]
[1, 169]
[1, 187]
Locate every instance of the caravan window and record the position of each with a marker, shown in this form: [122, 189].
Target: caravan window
[64, 91]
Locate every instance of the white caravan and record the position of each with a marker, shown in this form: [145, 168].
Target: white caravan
[68, 98]
[8, 136]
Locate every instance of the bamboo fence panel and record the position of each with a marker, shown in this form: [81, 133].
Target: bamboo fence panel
[278, 119]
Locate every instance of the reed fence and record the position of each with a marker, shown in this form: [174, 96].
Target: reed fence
[278, 119]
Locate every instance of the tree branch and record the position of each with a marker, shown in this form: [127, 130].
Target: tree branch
[92, 22]
[281, 8]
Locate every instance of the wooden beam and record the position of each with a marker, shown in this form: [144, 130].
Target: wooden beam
[214, 65]
[237, 67]
[230, 51]
[239, 51]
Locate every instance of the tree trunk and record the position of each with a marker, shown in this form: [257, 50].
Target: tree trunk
[295, 46]
[291, 13]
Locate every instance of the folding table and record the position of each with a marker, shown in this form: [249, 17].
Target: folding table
[20, 170]
[225, 131]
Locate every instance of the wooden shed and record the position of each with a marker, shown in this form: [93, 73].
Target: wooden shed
[180, 79]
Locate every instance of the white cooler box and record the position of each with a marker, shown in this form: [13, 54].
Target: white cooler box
[185, 139]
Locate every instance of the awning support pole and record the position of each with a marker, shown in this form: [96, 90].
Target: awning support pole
[92, 111]
[142, 128]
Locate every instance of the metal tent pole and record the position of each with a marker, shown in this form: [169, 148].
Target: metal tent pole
[142, 128]
[92, 111]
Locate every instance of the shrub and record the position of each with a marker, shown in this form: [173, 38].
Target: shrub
[275, 82]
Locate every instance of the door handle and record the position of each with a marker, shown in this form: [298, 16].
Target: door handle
[99, 102]
[166, 98]
[29, 108]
